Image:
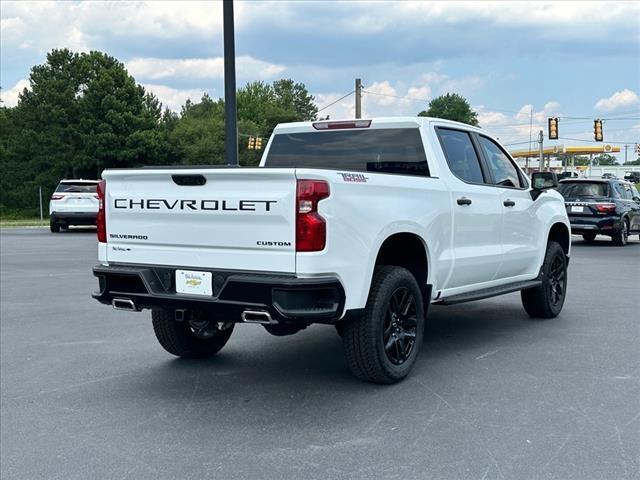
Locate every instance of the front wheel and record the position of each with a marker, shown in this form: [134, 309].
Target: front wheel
[383, 344]
[193, 338]
[546, 301]
[589, 237]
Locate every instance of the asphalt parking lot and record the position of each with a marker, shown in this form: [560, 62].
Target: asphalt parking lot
[88, 393]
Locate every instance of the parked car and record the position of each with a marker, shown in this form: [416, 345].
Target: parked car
[602, 207]
[74, 202]
[608, 175]
[633, 177]
[361, 224]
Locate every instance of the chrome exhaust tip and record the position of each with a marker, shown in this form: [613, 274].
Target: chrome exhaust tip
[124, 304]
[257, 316]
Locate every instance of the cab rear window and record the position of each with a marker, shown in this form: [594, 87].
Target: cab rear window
[389, 150]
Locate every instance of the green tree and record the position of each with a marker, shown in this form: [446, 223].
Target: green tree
[451, 107]
[198, 136]
[81, 113]
[605, 159]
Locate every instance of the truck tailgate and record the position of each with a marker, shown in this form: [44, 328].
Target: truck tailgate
[240, 219]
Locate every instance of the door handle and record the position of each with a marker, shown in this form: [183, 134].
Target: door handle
[464, 201]
[509, 203]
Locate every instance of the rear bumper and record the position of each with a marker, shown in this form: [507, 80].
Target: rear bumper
[598, 225]
[287, 298]
[74, 218]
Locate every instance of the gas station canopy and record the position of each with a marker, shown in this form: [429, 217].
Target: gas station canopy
[561, 149]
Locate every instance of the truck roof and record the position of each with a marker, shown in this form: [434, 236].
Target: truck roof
[376, 122]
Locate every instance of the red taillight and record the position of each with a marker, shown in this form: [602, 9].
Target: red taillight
[101, 219]
[606, 207]
[57, 197]
[311, 229]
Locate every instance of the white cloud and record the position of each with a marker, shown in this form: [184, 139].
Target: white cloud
[160, 68]
[623, 98]
[547, 14]
[77, 25]
[174, 98]
[10, 97]
[341, 110]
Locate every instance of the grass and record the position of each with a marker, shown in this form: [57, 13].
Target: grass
[23, 222]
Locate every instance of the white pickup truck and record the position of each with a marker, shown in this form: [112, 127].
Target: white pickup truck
[361, 224]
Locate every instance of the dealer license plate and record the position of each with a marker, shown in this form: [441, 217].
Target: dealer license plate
[575, 209]
[193, 283]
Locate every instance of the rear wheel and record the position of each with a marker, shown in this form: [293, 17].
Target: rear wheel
[383, 344]
[589, 237]
[54, 227]
[621, 237]
[198, 337]
[546, 301]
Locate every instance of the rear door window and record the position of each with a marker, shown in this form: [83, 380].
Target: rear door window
[461, 155]
[388, 150]
[628, 193]
[619, 188]
[505, 173]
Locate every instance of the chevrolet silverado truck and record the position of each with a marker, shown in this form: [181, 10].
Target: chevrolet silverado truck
[360, 224]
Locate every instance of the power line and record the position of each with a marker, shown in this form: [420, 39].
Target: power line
[594, 141]
[333, 103]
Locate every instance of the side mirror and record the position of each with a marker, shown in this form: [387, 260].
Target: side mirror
[637, 199]
[541, 181]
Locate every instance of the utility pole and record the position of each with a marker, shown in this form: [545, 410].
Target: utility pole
[541, 158]
[358, 98]
[40, 196]
[626, 147]
[230, 121]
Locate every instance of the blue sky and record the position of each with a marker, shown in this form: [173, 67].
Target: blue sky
[576, 60]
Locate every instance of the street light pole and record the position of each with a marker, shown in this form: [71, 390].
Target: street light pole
[230, 124]
[541, 153]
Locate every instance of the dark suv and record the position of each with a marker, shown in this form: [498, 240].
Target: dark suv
[602, 207]
[633, 177]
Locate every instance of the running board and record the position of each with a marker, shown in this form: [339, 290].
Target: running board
[489, 292]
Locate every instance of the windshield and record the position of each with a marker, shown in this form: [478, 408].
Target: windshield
[392, 150]
[80, 187]
[583, 189]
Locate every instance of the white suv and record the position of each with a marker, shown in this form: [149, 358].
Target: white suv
[75, 202]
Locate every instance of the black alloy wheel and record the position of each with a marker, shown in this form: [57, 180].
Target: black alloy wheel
[400, 324]
[557, 280]
[547, 299]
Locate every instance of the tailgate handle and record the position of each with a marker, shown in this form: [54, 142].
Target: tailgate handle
[189, 180]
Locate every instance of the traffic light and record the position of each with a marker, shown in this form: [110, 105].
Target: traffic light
[252, 143]
[258, 143]
[553, 128]
[597, 130]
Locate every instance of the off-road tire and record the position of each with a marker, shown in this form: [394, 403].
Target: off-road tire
[621, 237]
[589, 237]
[178, 339]
[540, 302]
[363, 337]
